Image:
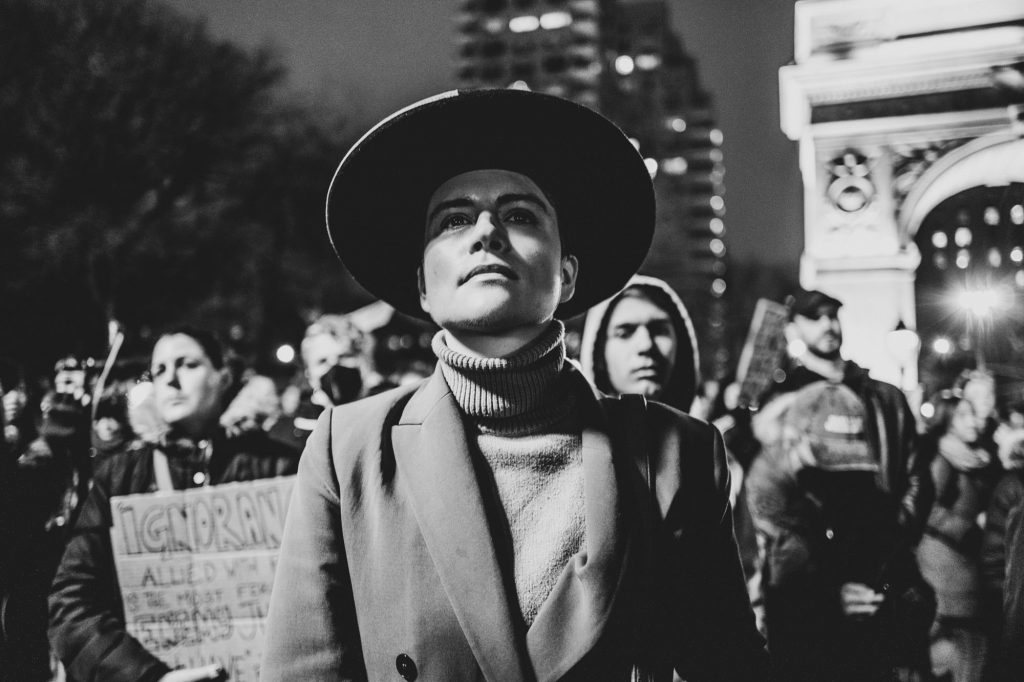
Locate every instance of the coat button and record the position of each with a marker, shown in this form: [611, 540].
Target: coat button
[406, 667]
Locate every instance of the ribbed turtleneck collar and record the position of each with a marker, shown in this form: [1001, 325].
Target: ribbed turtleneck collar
[515, 395]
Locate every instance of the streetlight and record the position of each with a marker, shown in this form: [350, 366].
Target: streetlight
[903, 344]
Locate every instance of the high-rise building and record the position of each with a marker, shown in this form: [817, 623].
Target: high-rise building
[621, 58]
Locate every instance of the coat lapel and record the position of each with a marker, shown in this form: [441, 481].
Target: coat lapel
[574, 616]
[435, 469]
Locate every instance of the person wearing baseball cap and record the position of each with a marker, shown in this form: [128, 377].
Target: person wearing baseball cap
[498, 520]
[839, 495]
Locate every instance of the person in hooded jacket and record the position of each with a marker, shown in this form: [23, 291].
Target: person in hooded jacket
[642, 341]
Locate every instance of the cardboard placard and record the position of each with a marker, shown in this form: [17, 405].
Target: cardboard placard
[763, 352]
[196, 568]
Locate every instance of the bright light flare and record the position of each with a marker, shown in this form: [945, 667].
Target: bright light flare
[980, 302]
[285, 354]
[942, 346]
[523, 24]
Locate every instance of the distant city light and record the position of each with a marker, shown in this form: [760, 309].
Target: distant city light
[647, 62]
[942, 345]
[285, 353]
[717, 202]
[519, 85]
[962, 236]
[675, 165]
[652, 166]
[677, 124]
[980, 302]
[717, 246]
[715, 155]
[716, 137]
[1017, 214]
[718, 287]
[1019, 278]
[963, 259]
[796, 348]
[523, 24]
[495, 25]
[624, 64]
[1017, 254]
[995, 259]
[992, 216]
[927, 410]
[940, 240]
[717, 226]
[552, 20]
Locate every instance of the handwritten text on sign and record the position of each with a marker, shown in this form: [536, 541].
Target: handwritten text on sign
[196, 567]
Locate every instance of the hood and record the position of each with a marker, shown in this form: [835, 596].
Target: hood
[682, 386]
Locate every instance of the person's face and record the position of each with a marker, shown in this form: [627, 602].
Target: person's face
[187, 388]
[320, 353]
[980, 392]
[492, 260]
[820, 332]
[964, 424]
[640, 349]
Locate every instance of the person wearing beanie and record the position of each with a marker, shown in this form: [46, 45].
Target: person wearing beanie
[499, 520]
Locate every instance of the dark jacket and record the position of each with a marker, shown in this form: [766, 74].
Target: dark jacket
[808, 556]
[390, 563]
[86, 612]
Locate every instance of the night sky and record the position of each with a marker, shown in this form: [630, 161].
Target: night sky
[367, 58]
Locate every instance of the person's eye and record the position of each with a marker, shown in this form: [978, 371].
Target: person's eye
[622, 332]
[157, 371]
[519, 216]
[453, 221]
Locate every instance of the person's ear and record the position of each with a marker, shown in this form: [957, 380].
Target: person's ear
[570, 270]
[422, 286]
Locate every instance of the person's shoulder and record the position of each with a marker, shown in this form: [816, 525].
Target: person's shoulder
[112, 471]
[372, 414]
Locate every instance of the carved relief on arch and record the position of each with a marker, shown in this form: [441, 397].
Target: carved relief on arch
[853, 214]
[909, 163]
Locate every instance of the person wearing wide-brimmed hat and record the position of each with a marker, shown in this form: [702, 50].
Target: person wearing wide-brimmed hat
[498, 521]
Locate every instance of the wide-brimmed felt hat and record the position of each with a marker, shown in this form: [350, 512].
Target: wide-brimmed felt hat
[594, 176]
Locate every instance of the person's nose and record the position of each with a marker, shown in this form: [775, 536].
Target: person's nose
[173, 379]
[489, 235]
[643, 342]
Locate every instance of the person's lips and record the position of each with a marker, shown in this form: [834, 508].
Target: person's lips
[488, 269]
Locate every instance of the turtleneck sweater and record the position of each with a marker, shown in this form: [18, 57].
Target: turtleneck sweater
[520, 417]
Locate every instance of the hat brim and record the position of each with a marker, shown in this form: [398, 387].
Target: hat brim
[596, 179]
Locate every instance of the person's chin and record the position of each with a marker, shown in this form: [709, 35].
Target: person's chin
[649, 389]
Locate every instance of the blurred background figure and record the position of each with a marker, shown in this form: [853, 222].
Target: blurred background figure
[642, 341]
[964, 473]
[191, 384]
[337, 359]
[49, 481]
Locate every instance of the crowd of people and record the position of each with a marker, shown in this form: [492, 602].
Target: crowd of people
[870, 542]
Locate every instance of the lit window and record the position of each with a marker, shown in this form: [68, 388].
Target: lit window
[963, 259]
[495, 25]
[624, 64]
[652, 166]
[647, 62]
[715, 155]
[718, 287]
[962, 236]
[716, 137]
[717, 247]
[674, 166]
[995, 259]
[940, 240]
[523, 24]
[553, 20]
[717, 203]
[991, 215]
[1017, 214]
[677, 124]
[717, 226]
[1017, 254]
[940, 261]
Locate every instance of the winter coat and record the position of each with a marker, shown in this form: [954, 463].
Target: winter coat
[390, 561]
[682, 385]
[87, 623]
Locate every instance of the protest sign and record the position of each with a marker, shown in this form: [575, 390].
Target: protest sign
[763, 351]
[196, 568]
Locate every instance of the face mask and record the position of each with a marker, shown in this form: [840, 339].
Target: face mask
[342, 384]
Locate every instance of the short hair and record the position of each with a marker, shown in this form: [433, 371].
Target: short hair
[208, 341]
[338, 327]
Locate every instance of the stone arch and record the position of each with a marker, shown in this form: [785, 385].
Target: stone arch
[992, 160]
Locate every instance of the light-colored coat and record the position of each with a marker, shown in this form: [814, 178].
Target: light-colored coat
[390, 561]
